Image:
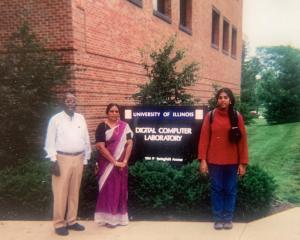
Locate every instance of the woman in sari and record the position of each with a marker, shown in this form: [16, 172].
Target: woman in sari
[114, 143]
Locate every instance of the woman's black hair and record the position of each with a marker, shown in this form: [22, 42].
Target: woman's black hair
[229, 93]
[109, 106]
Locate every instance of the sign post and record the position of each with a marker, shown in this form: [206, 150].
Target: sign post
[165, 133]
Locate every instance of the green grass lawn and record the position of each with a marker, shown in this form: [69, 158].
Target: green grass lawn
[276, 148]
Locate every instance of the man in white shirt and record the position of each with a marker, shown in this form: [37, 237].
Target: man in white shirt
[68, 147]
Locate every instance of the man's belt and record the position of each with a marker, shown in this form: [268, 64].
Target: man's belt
[69, 154]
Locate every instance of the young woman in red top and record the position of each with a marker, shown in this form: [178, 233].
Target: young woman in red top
[222, 159]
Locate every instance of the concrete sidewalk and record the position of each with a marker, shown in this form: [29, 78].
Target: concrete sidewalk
[281, 226]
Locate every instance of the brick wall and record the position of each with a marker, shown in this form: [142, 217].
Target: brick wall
[109, 34]
[50, 20]
[103, 37]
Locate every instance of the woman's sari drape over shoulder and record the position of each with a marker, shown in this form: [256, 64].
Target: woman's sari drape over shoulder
[111, 204]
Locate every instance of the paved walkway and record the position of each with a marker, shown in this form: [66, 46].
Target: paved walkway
[281, 226]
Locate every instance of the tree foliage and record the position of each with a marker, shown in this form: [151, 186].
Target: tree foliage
[248, 100]
[279, 87]
[28, 73]
[167, 84]
[250, 71]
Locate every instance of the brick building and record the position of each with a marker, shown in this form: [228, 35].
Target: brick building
[103, 37]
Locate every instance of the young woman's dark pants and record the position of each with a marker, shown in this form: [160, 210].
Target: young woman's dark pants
[223, 180]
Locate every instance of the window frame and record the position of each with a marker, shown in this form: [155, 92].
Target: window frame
[187, 27]
[226, 51]
[233, 42]
[138, 3]
[167, 18]
[214, 44]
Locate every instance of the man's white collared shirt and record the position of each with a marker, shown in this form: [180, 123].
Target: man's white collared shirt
[67, 134]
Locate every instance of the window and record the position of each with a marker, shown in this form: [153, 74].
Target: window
[225, 36]
[138, 3]
[162, 9]
[161, 6]
[215, 28]
[185, 22]
[233, 42]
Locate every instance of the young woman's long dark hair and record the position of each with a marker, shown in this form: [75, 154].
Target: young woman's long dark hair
[231, 113]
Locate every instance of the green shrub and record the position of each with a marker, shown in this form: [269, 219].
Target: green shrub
[89, 190]
[151, 184]
[28, 74]
[26, 188]
[158, 186]
[167, 81]
[255, 191]
[191, 188]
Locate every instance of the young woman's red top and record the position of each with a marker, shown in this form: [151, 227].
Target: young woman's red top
[217, 149]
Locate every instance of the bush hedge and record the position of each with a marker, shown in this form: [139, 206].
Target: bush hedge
[88, 191]
[156, 185]
[26, 189]
[192, 189]
[255, 191]
[153, 185]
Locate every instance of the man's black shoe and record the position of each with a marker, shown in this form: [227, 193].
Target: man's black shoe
[76, 227]
[62, 231]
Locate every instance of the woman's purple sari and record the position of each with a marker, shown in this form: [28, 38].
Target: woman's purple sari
[111, 207]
